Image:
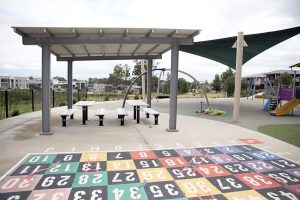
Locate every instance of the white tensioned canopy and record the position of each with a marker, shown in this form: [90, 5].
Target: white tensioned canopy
[105, 43]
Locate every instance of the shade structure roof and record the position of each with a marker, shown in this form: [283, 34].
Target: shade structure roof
[221, 50]
[295, 65]
[105, 43]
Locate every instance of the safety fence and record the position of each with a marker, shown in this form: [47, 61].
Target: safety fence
[15, 102]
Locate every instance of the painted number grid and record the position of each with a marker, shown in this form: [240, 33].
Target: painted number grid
[227, 172]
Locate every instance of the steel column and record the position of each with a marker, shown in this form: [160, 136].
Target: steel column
[173, 87]
[70, 84]
[149, 82]
[46, 112]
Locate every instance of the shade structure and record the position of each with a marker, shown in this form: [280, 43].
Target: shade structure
[83, 43]
[295, 65]
[221, 50]
[80, 44]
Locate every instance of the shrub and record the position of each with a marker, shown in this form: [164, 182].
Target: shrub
[15, 112]
[136, 97]
[74, 101]
[62, 103]
[106, 98]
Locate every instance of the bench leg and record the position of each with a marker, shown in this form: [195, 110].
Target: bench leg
[71, 117]
[147, 115]
[64, 121]
[156, 119]
[101, 117]
[122, 120]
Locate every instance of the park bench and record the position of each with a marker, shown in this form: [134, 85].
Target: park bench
[150, 111]
[121, 115]
[65, 114]
[100, 113]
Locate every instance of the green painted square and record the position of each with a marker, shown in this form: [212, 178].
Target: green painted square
[90, 179]
[40, 159]
[127, 191]
[63, 168]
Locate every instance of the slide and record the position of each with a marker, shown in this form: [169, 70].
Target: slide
[286, 107]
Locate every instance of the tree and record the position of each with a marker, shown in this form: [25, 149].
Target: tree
[229, 86]
[120, 75]
[217, 83]
[59, 78]
[227, 80]
[137, 69]
[116, 77]
[285, 79]
[182, 86]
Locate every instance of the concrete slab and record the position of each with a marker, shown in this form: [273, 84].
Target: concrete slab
[16, 140]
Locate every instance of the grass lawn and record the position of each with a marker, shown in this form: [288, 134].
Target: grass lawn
[289, 133]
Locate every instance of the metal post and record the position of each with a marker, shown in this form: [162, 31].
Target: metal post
[70, 85]
[78, 95]
[138, 114]
[173, 87]
[86, 94]
[149, 82]
[6, 103]
[53, 98]
[143, 79]
[238, 75]
[46, 112]
[32, 99]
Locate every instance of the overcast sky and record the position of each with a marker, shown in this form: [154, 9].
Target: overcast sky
[216, 19]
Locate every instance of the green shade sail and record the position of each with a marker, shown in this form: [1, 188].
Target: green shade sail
[221, 50]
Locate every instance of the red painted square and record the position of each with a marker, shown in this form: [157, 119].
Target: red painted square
[257, 181]
[142, 155]
[174, 162]
[251, 141]
[211, 170]
[19, 183]
[294, 188]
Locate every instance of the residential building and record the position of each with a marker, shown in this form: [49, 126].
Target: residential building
[13, 82]
[273, 77]
[35, 83]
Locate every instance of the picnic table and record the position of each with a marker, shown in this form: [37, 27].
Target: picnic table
[84, 105]
[136, 108]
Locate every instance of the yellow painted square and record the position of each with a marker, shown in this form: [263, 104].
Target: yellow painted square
[117, 165]
[197, 187]
[93, 156]
[247, 194]
[154, 175]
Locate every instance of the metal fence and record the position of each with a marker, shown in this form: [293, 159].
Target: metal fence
[14, 102]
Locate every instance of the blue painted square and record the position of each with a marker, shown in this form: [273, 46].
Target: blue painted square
[229, 149]
[262, 155]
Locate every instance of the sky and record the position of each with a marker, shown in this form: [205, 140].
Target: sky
[215, 18]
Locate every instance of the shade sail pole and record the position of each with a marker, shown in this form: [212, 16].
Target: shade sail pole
[238, 75]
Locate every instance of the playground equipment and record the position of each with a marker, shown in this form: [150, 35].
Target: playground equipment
[214, 112]
[292, 95]
[164, 69]
[252, 88]
[270, 94]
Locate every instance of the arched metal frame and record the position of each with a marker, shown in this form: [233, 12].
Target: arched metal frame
[164, 69]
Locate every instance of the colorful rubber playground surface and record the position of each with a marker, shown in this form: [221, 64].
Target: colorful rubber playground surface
[223, 172]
